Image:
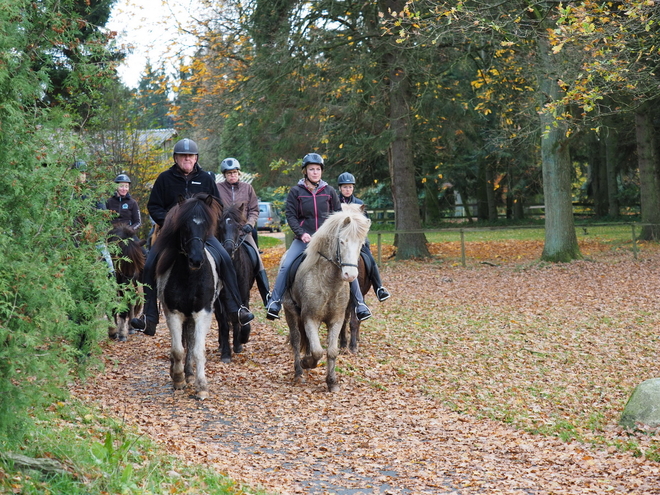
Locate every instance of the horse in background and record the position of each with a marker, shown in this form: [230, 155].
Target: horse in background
[320, 292]
[188, 286]
[232, 237]
[349, 335]
[128, 259]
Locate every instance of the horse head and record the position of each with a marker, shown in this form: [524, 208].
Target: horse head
[193, 221]
[230, 227]
[340, 239]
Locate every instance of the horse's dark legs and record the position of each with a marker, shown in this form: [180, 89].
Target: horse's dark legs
[355, 333]
[295, 341]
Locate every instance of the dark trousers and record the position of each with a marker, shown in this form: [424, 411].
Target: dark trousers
[225, 270]
[374, 276]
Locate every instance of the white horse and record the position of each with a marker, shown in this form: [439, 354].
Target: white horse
[320, 291]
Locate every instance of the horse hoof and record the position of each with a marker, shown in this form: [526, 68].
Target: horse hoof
[202, 394]
[179, 385]
[299, 379]
[238, 349]
[333, 388]
[308, 362]
[226, 360]
[122, 338]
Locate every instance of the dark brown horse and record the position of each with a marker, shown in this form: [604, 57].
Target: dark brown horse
[232, 237]
[128, 260]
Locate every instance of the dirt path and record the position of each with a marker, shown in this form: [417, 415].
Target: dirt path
[259, 428]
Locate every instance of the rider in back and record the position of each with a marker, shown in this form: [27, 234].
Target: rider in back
[185, 178]
[346, 183]
[123, 204]
[308, 204]
[233, 191]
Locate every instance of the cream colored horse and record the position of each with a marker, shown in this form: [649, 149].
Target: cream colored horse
[320, 292]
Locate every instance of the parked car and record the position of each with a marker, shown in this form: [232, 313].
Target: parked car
[269, 218]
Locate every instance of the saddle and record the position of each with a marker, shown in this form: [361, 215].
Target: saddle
[291, 276]
[252, 254]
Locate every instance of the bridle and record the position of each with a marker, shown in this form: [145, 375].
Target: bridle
[184, 245]
[235, 246]
[337, 261]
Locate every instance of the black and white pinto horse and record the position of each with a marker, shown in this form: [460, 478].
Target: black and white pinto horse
[188, 285]
[231, 234]
[128, 261]
[320, 291]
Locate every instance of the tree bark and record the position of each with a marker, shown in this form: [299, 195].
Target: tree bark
[612, 158]
[648, 175]
[560, 239]
[401, 162]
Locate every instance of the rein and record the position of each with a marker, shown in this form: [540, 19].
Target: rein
[235, 245]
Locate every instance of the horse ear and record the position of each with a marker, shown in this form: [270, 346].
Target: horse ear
[180, 199]
[363, 208]
[209, 200]
[241, 207]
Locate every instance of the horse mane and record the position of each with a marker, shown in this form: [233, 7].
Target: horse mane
[131, 247]
[350, 221]
[200, 204]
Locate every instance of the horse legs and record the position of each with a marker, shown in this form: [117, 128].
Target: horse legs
[294, 340]
[315, 348]
[198, 350]
[189, 337]
[174, 323]
[237, 336]
[355, 332]
[333, 351]
[223, 331]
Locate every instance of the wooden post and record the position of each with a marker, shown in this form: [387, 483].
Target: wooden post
[379, 249]
[463, 248]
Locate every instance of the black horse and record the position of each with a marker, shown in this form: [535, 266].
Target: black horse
[188, 285]
[351, 323]
[128, 259]
[233, 238]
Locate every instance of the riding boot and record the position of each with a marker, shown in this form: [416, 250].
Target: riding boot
[274, 302]
[262, 284]
[150, 297]
[362, 311]
[381, 292]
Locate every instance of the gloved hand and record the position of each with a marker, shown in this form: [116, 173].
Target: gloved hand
[247, 228]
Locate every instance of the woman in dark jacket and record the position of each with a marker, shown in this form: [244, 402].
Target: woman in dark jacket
[127, 209]
[346, 183]
[308, 204]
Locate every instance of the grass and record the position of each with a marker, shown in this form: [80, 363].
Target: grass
[602, 233]
[100, 456]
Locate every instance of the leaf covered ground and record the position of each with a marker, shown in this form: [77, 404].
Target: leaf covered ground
[505, 377]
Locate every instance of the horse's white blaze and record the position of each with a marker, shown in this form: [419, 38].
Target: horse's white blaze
[198, 220]
[350, 254]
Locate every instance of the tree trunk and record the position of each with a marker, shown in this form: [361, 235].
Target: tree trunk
[560, 239]
[402, 168]
[612, 158]
[648, 175]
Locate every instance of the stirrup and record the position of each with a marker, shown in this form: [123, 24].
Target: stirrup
[244, 315]
[273, 310]
[362, 314]
[382, 293]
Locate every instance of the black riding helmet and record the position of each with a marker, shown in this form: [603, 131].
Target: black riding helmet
[123, 178]
[314, 158]
[345, 178]
[186, 147]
